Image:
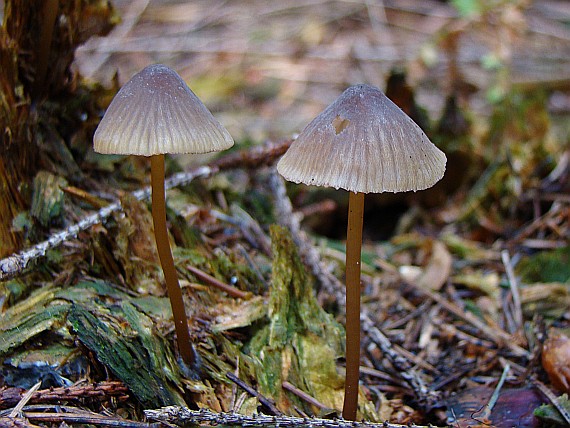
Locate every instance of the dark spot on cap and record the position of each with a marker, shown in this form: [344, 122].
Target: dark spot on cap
[339, 124]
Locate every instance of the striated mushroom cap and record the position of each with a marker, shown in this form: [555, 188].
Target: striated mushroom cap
[363, 142]
[155, 113]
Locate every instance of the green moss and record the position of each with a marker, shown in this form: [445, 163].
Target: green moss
[301, 342]
[48, 198]
[129, 348]
[17, 327]
[546, 266]
[548, 414]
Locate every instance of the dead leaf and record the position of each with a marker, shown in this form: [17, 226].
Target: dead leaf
[556, 360]
[438, 268]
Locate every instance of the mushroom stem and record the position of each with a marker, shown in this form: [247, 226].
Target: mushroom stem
[166, 260]
[353, 248]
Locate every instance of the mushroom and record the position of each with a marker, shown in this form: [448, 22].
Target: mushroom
[362, 143]
[152, 114]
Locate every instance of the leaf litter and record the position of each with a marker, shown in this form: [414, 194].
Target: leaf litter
[441, 311]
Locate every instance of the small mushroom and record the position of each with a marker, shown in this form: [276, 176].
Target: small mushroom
[156, 113]
[362, 143]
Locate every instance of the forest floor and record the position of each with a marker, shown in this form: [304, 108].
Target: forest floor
[465, 286]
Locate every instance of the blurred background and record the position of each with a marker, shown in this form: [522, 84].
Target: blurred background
[266, 68]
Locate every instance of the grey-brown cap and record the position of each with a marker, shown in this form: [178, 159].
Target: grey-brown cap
[155, 113]
[363, 142]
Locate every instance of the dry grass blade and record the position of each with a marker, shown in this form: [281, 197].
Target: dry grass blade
[516, 298]
[27, 396]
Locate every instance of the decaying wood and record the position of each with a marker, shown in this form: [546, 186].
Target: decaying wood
[440, 320]
[36, 52]
[8, 422]
[330, 284]
[17, 157]
[184, 416]
[24, 400]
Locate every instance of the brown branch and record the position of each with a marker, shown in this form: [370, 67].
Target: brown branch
[9, 422]
[25, 398]
[303, 395]
[266, 402]
[210, 280]
[10, 397]
[254, 157]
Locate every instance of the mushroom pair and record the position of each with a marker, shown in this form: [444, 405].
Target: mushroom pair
[362, 143]
[156, 113]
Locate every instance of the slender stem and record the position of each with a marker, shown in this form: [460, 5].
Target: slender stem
[353, 247]
[166, 260]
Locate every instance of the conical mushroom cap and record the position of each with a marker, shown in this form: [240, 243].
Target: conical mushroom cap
[363, 142]
[155, 113]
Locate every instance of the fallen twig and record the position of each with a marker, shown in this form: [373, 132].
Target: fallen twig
[15, 264]
[210, 280]
[253, 157]
[462, 336]
[486, 413]
[10, 397]
[303, 395]
[499, 337]
[404, 367]
[184, 416]
[266, 402]
[69, 414]
[8, 422]
[94, 419]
